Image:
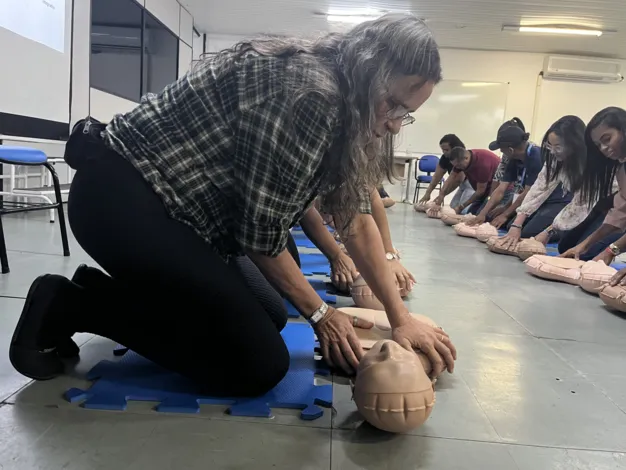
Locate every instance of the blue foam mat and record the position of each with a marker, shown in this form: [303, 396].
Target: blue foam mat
[134, 378]
[314, 263]
[301, 240]
[618, 266]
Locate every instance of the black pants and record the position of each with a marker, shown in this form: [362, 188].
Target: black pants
[547, 212]
[592, 223]
[172, 299]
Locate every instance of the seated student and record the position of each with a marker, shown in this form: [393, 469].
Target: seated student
[525, 162]
[465, 191]
[554, 203]
[602, 238]
[476, 166]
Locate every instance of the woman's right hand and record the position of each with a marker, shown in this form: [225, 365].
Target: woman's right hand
[575, 252]
[339, 343]
[434, 342]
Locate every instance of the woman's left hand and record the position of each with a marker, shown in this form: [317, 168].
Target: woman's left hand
[404, 278]
[606, 257]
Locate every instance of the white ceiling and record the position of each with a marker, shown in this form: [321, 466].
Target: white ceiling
[466, 24]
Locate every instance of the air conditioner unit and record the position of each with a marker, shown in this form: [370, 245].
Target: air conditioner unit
[582, 69]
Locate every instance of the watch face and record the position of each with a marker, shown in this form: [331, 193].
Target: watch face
[389, 256]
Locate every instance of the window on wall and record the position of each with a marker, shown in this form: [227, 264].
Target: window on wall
[132, 53]
[160, 61]
[115, 66]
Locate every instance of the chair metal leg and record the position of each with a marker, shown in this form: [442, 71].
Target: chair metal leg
[416, 195]
[4, 260]
[59, 198]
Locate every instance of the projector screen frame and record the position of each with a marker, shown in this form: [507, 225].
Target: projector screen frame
[19, 125]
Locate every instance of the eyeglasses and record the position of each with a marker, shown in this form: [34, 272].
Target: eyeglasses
[554, 149]
[407, 120]
[396, 111]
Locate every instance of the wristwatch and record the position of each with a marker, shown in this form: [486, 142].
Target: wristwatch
[391, 256]
[613, 248]
[319, 314]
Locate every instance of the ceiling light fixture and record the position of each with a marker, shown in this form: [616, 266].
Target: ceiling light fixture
[354, 16]
[554, 29]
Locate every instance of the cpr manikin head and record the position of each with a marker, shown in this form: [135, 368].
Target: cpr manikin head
[392, 391]
[529, 247]
[485, 232]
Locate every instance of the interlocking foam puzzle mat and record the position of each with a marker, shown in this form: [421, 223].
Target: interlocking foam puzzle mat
[134, 378]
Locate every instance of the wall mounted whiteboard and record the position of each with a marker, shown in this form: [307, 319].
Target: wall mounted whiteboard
[472, 110]
[556, 99]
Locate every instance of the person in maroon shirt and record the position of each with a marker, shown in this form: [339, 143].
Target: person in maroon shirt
[479, 167]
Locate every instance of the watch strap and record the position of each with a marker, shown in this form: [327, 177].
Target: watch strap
[318, 314]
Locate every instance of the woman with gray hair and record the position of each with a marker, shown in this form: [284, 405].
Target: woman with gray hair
[220, 165]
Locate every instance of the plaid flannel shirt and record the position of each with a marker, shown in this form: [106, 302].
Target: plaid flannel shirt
[228, 153]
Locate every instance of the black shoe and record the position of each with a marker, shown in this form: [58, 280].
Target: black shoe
[33, 350]
[84, 276]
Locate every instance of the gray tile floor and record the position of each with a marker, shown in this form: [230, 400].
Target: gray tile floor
[540, 381]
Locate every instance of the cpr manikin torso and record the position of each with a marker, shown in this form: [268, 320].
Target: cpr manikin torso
[465, 230]
[453, 219]
[392, 389]
[614, 297]
[363, 296]
[495, 245]
[423, 206]
[590, 275]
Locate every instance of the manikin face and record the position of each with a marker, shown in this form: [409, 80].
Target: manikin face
[406, 95]
[446, 149]
[610, 141]
[556, 147]
[388, 363]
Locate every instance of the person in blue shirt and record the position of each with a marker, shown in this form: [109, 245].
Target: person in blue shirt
[525, 163]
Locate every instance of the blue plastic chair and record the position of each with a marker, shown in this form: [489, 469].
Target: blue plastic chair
[427, 164]
[24, 156]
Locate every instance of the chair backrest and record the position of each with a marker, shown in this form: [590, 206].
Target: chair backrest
[428, 163]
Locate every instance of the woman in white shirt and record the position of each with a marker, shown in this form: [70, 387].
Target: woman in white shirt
[554, 203]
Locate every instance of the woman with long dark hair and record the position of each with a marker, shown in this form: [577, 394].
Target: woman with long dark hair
[600, 236]
[220, 165]
[554, 203]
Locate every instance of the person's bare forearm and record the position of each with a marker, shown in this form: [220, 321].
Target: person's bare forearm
[284, 274]
[604, 231]
[494, 200]
[439, 172]
[379, 213]
[366, 247]
[313, 226]
[478, 195]
[512, 208]
[453, 182]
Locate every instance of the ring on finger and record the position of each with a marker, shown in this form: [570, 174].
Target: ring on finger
[355, 320]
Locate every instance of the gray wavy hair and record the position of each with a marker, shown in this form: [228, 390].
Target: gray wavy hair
[354, 69]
